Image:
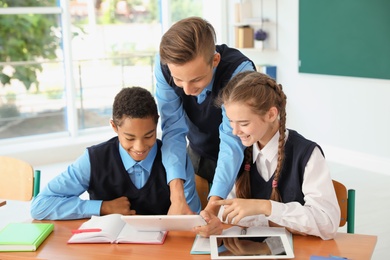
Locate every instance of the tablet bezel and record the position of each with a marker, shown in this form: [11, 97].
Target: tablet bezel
[164, 222]
[285, 241]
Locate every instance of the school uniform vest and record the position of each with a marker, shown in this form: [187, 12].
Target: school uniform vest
[297, 153]
[204, 119]
[110, 180]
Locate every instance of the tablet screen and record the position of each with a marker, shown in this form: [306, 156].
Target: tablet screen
[254, 246]
[250, 247]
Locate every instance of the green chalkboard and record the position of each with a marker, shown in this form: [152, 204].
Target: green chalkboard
[345, 37]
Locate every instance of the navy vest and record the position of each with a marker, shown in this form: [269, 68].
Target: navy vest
[204, 119]
[110, 180]
[297, 153]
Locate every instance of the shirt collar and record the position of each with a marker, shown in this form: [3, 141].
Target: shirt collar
[270, 150]
[129, 162]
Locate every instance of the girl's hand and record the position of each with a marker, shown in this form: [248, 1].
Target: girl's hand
[236, 209]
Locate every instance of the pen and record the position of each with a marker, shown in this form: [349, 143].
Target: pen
[85, 230]
[338, 257]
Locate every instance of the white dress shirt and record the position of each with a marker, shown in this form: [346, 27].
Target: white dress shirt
[319, 216]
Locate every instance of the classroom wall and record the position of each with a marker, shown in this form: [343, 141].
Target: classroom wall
[348, 116]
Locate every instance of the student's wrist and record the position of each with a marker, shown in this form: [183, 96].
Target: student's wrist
[266, 207]
[104, 209]
[211, 208]
[176, 187]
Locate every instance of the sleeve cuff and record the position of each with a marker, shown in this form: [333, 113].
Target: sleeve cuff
[276, 211]
[219, 189]
[93, 207]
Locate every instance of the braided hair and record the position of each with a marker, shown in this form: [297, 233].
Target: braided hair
[260, 92]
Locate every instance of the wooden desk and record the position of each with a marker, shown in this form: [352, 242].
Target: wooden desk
[178, 245]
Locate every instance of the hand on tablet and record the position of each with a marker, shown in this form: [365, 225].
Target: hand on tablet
[180, 208]
[236, 209]
[179, 204]
[214, 225]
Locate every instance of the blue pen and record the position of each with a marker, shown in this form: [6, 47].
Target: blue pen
[338, 257]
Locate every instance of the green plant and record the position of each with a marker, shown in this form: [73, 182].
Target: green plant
[26, 37]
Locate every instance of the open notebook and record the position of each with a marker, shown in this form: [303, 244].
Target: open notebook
[112, 229]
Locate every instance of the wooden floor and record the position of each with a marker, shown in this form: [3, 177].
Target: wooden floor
[372, 202]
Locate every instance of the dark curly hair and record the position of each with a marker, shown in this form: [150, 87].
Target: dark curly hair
[133, 102]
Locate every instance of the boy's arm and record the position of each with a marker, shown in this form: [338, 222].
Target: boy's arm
[174, 131]
[60, 198]
[227, 165]
[179, 204]
[191, 196]
[230, 157]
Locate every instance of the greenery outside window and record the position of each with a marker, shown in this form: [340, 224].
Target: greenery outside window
[59, 84]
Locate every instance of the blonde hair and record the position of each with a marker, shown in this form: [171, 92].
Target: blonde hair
[186, 40]
[260, 92]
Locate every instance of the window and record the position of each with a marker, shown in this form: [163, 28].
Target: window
[91, 49]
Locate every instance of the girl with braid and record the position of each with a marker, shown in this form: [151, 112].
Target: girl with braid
[284, 179]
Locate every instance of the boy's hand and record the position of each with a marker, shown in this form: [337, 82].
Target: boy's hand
[120, 205]
[214, 225]
[180, 208]
[179, 204]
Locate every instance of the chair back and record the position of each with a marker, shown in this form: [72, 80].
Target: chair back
[16, 179]
[346, 200]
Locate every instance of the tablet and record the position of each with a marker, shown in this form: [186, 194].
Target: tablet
[164, 222]
[255, 245]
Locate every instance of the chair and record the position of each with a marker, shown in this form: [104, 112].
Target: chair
[346, 200]
[18, 180]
